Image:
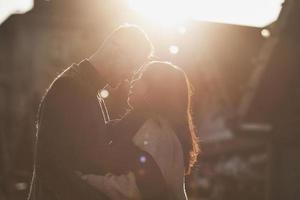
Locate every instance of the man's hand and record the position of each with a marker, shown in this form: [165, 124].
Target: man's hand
[115, 187]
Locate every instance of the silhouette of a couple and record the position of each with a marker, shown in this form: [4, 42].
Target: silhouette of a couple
[144, 155]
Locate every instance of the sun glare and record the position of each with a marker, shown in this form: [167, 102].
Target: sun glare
[256, 13]
[165, 12]
[9, 7]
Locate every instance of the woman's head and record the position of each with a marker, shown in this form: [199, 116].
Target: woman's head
[164, 89]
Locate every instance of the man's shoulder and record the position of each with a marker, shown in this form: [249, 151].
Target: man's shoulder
[63, 84]
[67, 78]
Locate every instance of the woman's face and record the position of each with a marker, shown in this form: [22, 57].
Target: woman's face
[137, 92]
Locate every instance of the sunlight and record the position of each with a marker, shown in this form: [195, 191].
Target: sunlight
[165, 12]
[181, 29]
[9, 7]
[258, 13]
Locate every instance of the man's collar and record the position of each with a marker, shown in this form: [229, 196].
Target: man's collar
[91, 75]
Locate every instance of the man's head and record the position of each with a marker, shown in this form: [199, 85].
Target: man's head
[123, 52]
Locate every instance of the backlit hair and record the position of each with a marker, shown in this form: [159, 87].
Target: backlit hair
[169, 94]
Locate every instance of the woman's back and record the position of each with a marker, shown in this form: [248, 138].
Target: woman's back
[158, 139]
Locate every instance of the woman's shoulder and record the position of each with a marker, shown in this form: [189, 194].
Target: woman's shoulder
[155, 133]
[155, 125]
[157, 122]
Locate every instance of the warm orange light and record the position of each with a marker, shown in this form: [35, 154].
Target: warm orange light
[9, 7]
[257, 13]
[164, 12]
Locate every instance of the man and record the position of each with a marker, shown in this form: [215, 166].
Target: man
[71, 132]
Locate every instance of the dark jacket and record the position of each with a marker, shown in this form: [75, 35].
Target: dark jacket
[72, 136]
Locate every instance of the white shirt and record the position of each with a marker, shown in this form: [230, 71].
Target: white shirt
[158, 139]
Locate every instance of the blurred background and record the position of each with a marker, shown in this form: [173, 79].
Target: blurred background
[241, 56]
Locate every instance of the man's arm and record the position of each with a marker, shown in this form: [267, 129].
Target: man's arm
[148, 176]
[62, 143]
[69, 146]
[115, 186]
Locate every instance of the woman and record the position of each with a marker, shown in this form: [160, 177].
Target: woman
[162, 94]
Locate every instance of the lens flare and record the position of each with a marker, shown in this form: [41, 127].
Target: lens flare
[104, 93]
[143, 159]
[173, 49]
[265, 33]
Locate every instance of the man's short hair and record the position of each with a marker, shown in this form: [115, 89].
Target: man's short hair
[137, 37]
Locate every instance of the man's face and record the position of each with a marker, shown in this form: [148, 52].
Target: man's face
[125, 60]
